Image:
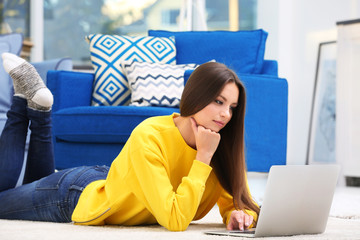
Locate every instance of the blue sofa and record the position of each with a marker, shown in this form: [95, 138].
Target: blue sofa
[88, 135]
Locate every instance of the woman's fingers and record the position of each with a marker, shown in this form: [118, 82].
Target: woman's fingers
[239, 220]
[206, 142]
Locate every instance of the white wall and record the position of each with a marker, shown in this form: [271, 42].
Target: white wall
[296, 27]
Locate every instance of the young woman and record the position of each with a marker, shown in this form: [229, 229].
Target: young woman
[172, 170]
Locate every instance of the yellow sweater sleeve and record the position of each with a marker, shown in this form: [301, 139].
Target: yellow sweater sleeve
[226, 207]
[173, 208]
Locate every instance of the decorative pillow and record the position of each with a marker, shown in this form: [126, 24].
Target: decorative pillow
[242, 51]
[109, 51]
[156, 84]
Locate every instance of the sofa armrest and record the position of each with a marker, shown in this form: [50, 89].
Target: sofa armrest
[53, 64]
[270, 67]
[265, 121]
[70, 89]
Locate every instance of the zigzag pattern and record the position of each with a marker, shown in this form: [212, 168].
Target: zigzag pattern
[160, 79]
[155, 84]
[159, 66]
[108, 52]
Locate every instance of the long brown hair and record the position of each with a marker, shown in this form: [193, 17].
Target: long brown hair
[204, 86]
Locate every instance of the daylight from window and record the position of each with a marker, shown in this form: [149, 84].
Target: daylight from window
[66, 22]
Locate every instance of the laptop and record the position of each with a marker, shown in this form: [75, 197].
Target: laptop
[297, 201]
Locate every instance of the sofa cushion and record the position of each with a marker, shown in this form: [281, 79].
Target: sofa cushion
[156, 84]
[101, 124]
[109, 51]
[242, 50]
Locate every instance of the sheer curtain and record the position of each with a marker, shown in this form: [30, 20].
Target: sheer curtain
[193, 16]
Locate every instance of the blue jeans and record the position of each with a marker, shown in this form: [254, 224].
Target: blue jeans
[45, 196]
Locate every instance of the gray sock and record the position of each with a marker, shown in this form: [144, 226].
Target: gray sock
[26, 80]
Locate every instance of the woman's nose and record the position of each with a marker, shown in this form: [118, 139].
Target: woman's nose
[226, 113]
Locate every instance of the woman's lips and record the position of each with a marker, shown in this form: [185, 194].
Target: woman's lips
[219, 123]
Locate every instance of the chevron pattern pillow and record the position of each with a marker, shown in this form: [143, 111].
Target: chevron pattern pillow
[156, 84]
[107, 54]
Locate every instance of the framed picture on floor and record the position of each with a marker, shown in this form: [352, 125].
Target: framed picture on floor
[321, 141]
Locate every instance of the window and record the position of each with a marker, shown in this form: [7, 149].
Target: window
[67, 22]
[14, 16]
[218, 14]
[170, 17]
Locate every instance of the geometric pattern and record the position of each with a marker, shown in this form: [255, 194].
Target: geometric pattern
[156, 84]
[108, 52]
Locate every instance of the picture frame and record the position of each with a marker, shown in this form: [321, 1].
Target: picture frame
[321, 140]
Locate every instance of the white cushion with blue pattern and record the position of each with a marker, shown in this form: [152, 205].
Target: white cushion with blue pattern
[156, 84]
[107, 54]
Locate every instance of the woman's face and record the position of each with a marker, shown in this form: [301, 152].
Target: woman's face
[218, 113]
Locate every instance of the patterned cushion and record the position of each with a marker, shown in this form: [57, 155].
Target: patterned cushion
[156, 84]
[109, 51]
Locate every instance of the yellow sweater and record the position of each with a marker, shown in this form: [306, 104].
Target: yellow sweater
[155, 179]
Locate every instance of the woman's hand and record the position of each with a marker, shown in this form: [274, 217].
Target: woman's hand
[206, 141]
[239, 220]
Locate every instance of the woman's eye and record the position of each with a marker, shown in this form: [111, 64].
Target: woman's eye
[218, 101]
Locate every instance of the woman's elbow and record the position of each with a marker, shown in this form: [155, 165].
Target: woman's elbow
[177, 226]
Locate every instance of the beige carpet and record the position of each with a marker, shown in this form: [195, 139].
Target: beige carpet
[343, 223]
[337, 228]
